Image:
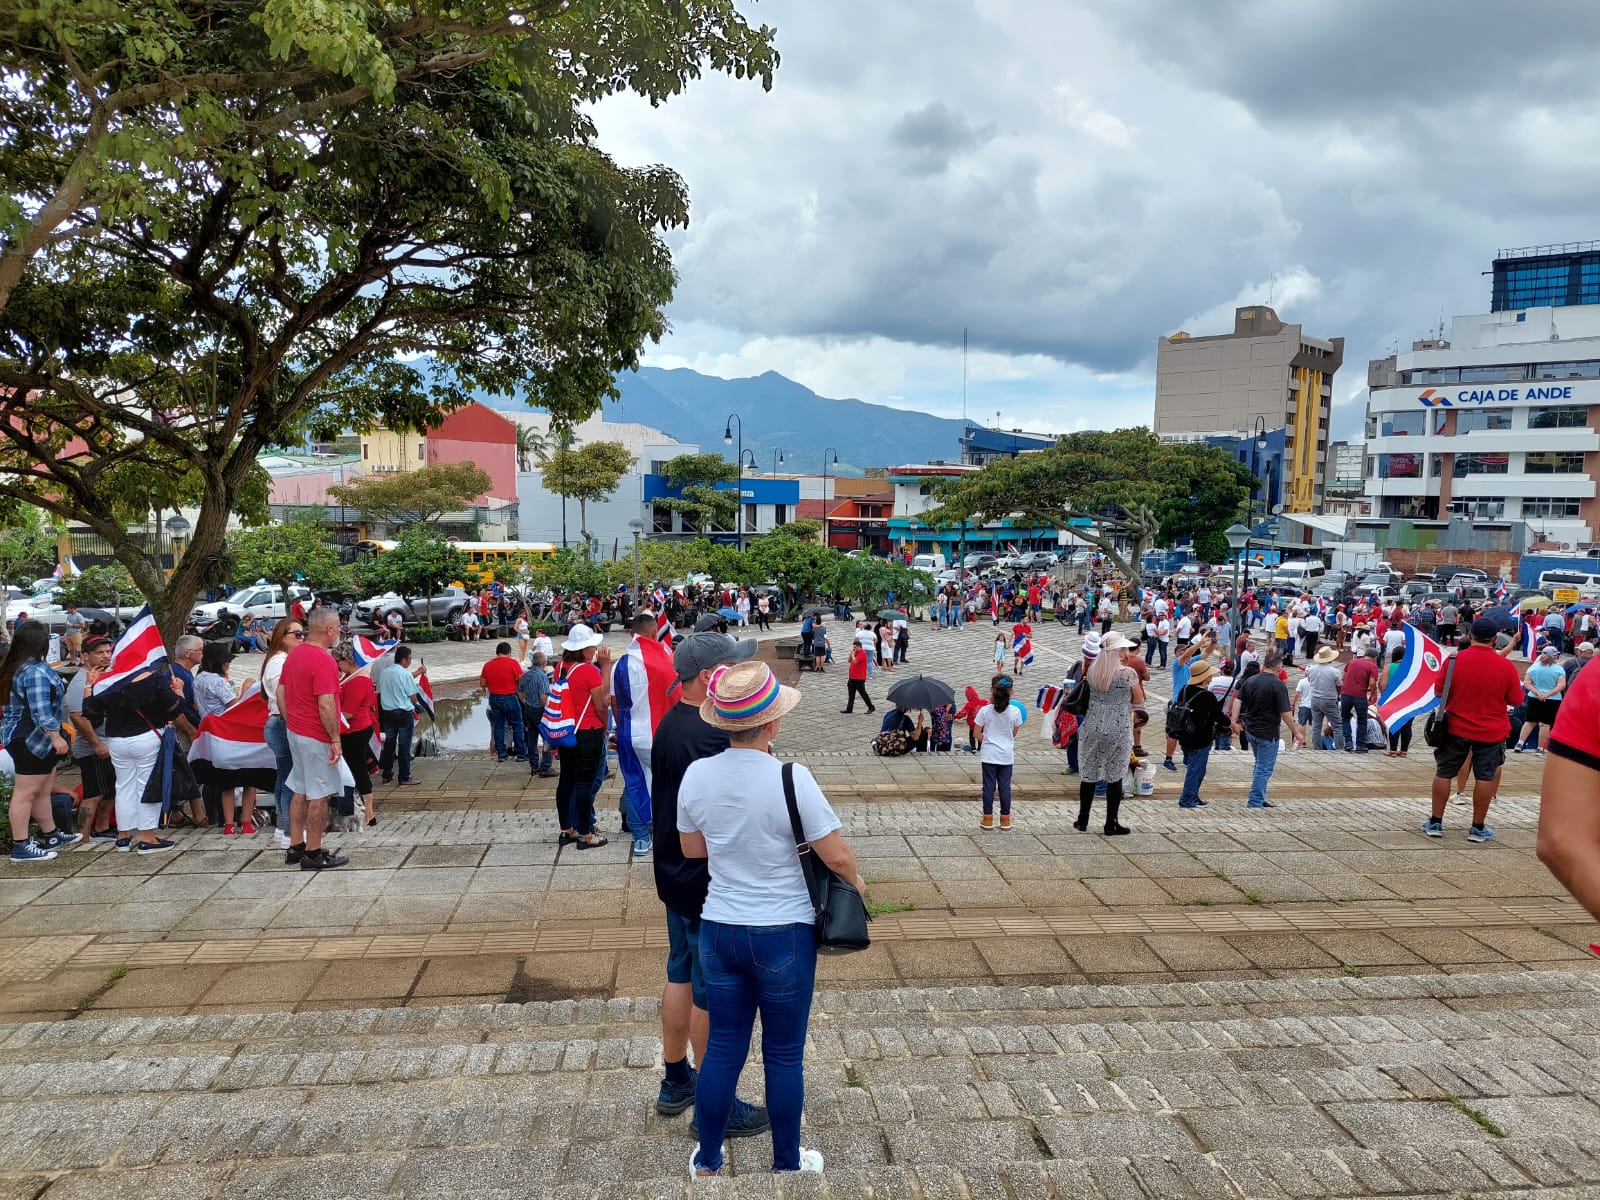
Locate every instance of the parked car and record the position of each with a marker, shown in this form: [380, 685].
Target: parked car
[264, 601]
[448, 603]
[980, 561]
[1031, 560]
[1383, 592]
[1391, 578]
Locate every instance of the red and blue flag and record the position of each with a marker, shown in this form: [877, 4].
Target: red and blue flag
[1412, 687]
[139, 647]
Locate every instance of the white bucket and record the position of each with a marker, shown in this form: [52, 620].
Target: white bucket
[1142, 780]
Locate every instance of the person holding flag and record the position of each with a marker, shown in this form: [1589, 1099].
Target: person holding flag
[1479, 688]
[1022, 646]
[644, 685]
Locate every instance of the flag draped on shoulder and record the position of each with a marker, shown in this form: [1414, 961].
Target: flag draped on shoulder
[644, 685]
[235, 739]
[1412, 688]
[139, 647]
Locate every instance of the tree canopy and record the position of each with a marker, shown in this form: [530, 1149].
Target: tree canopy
[27, 548]
[297, 551]
[695, 477]
[591, 472]
[224, 223]
[414, 497]
[419, 565]
[1129, 483]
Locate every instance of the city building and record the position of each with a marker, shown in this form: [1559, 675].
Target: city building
[980, 445]
[475, 433]
[1347, 479]
[914, 487]
[1546, 277]
[1262, 453]
[1497, 424]
[1264, 376]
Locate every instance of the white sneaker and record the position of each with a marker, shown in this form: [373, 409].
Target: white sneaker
[811, 1160]
[280, 839]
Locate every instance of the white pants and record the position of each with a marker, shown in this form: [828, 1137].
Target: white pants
[134, 758]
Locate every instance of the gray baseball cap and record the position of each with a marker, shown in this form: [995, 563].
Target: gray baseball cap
[702, 651]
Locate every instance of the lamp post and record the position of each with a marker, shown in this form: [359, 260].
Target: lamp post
[749, 456]
[830, 457]
[1238, 538]
[728, 427]
[777, 460]
[177, 529]
[638, 527]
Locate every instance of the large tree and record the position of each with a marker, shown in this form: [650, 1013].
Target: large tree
[695, 477]
[417, 497]
[226, 223]
[1127, 482]
[591, 472]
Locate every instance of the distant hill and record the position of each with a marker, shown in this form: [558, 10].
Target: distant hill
[778, 414]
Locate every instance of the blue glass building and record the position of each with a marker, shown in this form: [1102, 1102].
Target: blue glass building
[1546, 277]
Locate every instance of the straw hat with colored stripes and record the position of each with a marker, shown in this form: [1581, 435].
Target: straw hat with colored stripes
[746, 696]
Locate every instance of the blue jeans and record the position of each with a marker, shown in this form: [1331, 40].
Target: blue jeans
[1356, 705]
[504, 712]
[540, 757]
[277, 739]
[773, 969]
[397, 726]
[1072, 754]
[633, 818]
[1266, 752]
[1194, 774]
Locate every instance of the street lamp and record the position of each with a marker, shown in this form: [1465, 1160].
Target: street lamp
[749, 456]
[830, 457]
[638, 527]
[1238, 538]
[777, 460]
[728, 427]
[178, 527]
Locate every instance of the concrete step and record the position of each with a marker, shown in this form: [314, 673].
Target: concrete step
[1407, 1085]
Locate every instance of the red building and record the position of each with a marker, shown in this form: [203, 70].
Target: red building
[860, 522]
[477, 434]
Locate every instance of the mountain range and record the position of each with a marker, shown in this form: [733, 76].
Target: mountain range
[778, 415]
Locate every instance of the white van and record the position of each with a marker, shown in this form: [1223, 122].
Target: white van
[1302, 575]
[929, 562]
[1573, 585]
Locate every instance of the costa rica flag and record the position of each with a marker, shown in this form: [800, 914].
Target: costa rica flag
[1045, 701]
[1502, 591]
[425, 695]
[1412, 688]
[367, 651]
[1530, 641]
[139, 647]
[1022, 647]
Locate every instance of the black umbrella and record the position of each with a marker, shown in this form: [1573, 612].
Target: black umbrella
[1503, 616]
[813, 609]
[922, 692]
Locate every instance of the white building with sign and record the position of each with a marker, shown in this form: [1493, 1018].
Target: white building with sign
[1497, 424]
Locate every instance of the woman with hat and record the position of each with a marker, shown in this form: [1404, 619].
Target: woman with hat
[586, 667]
[1105, 735]
[758, 943]
[1197, 734]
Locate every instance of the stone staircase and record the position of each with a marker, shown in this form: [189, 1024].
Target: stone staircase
[1408, 1085]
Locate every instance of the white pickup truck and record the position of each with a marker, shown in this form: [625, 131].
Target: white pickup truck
[264, 601]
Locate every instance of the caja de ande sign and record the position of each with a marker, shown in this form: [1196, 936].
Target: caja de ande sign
[1452, 397]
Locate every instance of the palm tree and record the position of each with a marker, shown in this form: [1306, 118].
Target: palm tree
[532, 447]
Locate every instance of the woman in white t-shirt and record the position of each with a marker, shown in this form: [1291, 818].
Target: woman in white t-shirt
[996, 725]
[758, 946]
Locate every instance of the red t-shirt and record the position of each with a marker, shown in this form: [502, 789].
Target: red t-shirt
[358, 700]
[1577, 731]
[1358, 677]
[582, 681]
[500, 675]
[308, 672]
[858, 663]
[1483, 686]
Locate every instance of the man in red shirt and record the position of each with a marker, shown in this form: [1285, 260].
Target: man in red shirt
[1483, 687]
[1569, 818]
[500, 675]
[1358, 689]
[308, 698]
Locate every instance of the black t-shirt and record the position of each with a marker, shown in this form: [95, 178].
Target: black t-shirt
[683, 737]
[1262, 702]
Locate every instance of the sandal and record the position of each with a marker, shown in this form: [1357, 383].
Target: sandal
[566, 839]
[592, 842]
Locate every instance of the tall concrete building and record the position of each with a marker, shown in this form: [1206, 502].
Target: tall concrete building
[1265, 375]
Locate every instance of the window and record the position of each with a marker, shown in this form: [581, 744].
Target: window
[1480, 464]
[366, 450]
[925, 490]
[1440, 416]
[422, 449]
[1490, 508]
[1554, 462]
[1567, 370]
[1424, 376]
[1400, 466]
[1468, 420]
[1403, 423]
[1436, 466]
[1568, 416]
[1557, 506]
[1493, 374]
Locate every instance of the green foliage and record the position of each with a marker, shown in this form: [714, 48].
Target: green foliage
[426, 633]
[724, 563]
[419, 565]
[27, 547]
[659, 562]
[532, 447]
[99, 587]
[784, 558]
[590, 472]
[571, 570]
[1211, 546]
[807, 529]
[696, 477]
[297, 551]
[871, 581]
[225, 222]
[1126, 481]
[414, 497]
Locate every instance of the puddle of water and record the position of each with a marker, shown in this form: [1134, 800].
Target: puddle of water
[461, 722]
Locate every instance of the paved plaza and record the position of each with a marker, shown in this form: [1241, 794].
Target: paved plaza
[1312, 1000]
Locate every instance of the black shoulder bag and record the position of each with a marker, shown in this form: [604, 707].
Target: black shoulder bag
[1436, 730]
[842, 916]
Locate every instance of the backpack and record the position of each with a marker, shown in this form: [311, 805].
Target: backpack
[556, 726]
[1183, 723]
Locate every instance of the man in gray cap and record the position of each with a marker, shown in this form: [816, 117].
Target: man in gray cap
[683, 737]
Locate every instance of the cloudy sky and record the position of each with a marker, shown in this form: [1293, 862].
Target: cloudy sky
[1069, 181]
